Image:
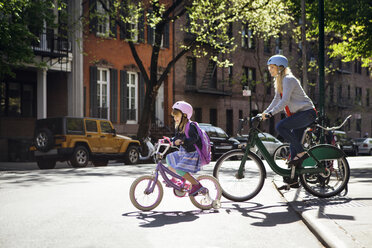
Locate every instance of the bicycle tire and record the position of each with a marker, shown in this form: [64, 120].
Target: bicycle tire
[233, 188]
[140, 199]
[282, 155]
[211, 198]
[325, 186]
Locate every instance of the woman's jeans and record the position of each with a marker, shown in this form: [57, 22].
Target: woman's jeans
[292, 129]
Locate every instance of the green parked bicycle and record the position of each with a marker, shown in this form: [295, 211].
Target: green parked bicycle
[241, 172]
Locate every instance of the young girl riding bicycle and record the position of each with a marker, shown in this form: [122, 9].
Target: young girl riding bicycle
[186, 160]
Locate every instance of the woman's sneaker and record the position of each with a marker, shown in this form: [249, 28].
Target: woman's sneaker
[196, 189]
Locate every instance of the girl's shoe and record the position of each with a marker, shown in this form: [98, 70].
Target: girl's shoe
[173, 180]
[196, 189]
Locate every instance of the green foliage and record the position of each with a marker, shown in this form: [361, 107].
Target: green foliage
[347, 24]
[20, 23]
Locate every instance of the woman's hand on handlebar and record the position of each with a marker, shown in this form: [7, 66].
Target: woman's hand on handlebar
[266, 116]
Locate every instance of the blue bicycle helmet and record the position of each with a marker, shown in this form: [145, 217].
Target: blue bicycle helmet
[278, 60]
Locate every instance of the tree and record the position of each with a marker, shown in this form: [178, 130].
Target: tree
[208, 25]
[21, 22]
[347, 25]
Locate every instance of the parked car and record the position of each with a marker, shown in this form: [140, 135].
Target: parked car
[220, 141]
[80, 140]
[269, 141]
[364, 145]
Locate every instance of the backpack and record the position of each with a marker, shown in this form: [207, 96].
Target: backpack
[205, 151]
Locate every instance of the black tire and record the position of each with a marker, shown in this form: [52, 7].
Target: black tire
[131, 155]
[46, 164]
[43, 139]
[80, 157]
[100, 162]
[329, 185]
[233, 187]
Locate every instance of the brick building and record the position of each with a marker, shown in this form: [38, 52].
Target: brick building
[113, 85]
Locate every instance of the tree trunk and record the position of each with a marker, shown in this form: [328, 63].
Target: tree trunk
[145, 120]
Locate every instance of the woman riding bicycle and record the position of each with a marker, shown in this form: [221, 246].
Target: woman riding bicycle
[299, 109]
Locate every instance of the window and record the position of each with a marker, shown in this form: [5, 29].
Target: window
[249, 78]
[198, 115]
[17, 99]
[267, 46]
[106, 127]
[133, 29]
[213, 117]
[348, 92]
[191, 71]
[359, 125]
[231, 74]
[132, 97]
[358, 96]
[103, 92]
[247, 38]
[278, 45]
[103, 25]
[331, 91]
[75, 126]
[367, 97]
[267, 82]
[91, 126]
[358, 66]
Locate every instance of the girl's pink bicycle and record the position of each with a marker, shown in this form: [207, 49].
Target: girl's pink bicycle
[146, 192]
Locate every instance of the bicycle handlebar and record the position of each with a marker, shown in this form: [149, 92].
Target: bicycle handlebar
[334, 128]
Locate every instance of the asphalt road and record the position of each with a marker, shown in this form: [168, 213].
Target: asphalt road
[90, 207]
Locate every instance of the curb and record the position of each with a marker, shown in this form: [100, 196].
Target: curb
[323, 233]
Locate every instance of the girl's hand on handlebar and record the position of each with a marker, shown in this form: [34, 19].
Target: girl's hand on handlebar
[178, 142]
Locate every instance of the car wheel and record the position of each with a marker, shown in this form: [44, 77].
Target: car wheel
[80, 157]
[131, 155]
[370, 152]
[100, 162]
[46, 164]
[43, 139]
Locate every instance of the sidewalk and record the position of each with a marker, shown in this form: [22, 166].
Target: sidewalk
[343, 221]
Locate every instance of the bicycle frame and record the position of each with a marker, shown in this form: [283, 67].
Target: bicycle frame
[163, 171]
[311, 165]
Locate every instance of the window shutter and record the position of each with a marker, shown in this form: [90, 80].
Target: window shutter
[93, 20]
[123, 96]
[142, 92]
[166, 36]
[93, 92]
[113, 95]
[113, 28]
[150, 32]
[141, 28]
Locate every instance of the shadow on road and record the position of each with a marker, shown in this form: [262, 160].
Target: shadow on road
[157, 219]
[265, 215]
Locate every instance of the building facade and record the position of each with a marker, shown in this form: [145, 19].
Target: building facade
[114, 87]
[39, 92]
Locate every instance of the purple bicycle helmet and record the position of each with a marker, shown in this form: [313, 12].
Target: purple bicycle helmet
[278, 60]
[184, 107]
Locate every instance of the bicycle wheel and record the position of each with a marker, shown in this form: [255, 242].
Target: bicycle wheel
[209, 198]
[282, 155]
[331, 183]
[233, 187]
[142, 200]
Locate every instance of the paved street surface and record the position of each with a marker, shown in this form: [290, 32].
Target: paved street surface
[340, 221]
[90, 207]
